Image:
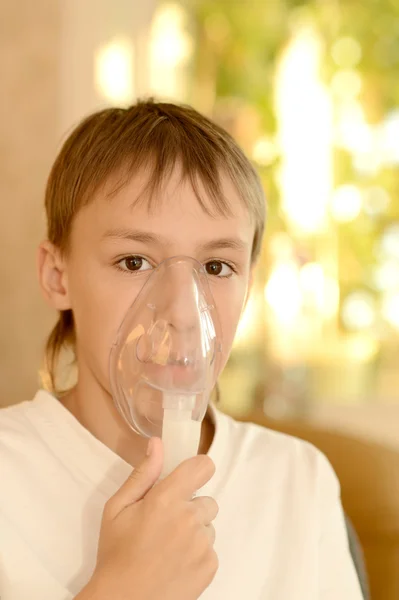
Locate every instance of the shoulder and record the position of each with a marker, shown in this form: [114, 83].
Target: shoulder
[264, 451]
[18, 432]
[21, 455]
[14, 420]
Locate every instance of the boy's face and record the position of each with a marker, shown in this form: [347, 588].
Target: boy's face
[115, 243]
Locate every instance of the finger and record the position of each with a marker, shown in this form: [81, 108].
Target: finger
[211, 533]
[141, 480]
[206, 508]
[190, 476]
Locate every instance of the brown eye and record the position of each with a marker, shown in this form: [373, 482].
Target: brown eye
[218, 268]
[134, 263]
[214, 267]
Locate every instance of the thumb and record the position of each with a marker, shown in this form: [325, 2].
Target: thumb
[141, 480]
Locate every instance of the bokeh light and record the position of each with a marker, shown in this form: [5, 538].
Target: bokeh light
[170, 49]
[346, 52]
[312, 281]
[389, 132]
[346, 203]
[390, 309]
[264, 151]
[114, 71]
[305, 135]
[386, 275]
[283, 293]
[376, 200]
[346, 84]
[390, 241]
[358, 310]
[249, 322]
[352, 131]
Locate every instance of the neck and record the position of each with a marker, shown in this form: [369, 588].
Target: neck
[94, 408]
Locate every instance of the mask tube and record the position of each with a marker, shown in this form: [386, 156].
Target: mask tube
[165, 360]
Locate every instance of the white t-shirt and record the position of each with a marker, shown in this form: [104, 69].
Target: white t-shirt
[280, 533]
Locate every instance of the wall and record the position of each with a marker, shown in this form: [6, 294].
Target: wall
[29, 37]
[47, 65]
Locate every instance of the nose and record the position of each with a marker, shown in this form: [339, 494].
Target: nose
[179, 329]
[181, 296]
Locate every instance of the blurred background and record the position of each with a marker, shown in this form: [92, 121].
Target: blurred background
[310, 91]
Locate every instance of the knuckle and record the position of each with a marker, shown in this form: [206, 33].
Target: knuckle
[214, 507]
[212, 532]
[190, 519]
[208, 508]
[202, 509]
[213, 563]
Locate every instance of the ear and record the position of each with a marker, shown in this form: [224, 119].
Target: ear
[53, 277]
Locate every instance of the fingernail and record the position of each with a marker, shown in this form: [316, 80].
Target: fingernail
[149, 447]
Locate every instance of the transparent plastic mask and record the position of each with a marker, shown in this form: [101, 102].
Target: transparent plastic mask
[165, 360]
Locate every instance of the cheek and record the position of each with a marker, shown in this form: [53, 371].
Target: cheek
[230, 302]
[100, 300]
[99, 305]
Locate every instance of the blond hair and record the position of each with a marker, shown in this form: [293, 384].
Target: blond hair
[120, 142]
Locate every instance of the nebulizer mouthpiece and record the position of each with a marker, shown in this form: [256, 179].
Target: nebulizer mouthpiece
[164, 362]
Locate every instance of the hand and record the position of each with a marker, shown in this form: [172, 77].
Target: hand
[156, 541]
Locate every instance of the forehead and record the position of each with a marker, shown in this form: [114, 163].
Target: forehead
[173, 206]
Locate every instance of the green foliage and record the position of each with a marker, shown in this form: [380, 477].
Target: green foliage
[242, 41]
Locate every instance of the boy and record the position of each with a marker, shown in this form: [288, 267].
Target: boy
[129, 189]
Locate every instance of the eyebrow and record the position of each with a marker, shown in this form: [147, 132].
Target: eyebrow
[133, 235]
[225, 243]
[144, 237]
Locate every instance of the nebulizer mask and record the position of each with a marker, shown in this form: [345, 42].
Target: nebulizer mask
[165, 360]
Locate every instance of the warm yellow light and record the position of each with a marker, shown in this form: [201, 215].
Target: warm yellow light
[346, 52]
[331, 297]
[304, 113]
[249, 323]
[264, 151]
[170, 48]
[320, 291]
[353, 133]
[346, 203]
[386, 275]
[357, 136]
[312, 282]
[170, 43]
[375, 200]
[390, 309]
[281, 247]
[362, 347]
[283, 293]
[389, 132]
[113, 71]
[389, 242]
[346, 83]
[359, 310]
[311, 277]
